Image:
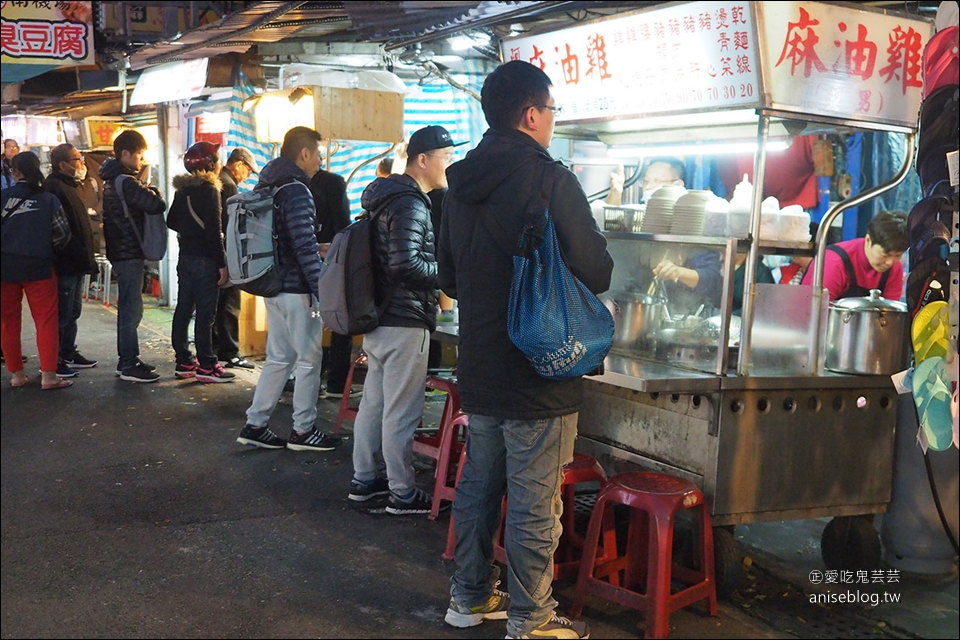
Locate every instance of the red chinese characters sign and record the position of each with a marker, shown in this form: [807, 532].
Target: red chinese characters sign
[694, 56]
[58, 33]
[843, 61]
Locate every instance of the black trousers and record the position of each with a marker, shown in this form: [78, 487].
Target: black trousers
[226, 326]
[337, 360]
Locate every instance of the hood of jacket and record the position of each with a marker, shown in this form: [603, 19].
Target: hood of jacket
[499, 155]
[382, 190]
[195, 180]
[111, 168]
[280, 170]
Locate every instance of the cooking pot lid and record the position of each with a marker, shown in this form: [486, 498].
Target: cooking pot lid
[873, 302]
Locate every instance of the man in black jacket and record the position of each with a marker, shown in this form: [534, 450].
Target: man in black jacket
[406, 277]
[333, 214]
[226, 326]
[123, 246]
[522, 427]
[76, 259]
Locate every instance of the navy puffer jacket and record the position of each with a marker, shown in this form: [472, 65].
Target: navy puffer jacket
[405, 250]
[296, 225]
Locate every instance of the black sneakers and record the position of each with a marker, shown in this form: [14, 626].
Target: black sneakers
[139, 373]
[149, 367]
[77, 361]
[419, 502]
[239, 361]
[313, 440]
[363, 491]
[64, 370]
[260, 437]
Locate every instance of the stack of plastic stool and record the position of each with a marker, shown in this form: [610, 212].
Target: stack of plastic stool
[446, 444]
[654, 500]
[348, 412]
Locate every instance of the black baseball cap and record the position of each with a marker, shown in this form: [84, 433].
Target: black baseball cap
[428, 139]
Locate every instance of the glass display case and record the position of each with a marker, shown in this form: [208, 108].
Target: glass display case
[681, 321]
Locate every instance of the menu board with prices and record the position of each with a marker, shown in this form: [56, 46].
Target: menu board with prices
[696, 56]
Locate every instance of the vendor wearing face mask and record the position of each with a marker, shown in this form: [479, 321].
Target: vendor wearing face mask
[662, 172]
[76, 259]
[852, 268]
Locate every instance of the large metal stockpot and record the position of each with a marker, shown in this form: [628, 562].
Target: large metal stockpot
[635, 316]
[867, 335]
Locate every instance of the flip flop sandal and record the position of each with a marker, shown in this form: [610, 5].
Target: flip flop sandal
[930, 331]
[60, 384]
[17, 385]
[932, 397]
[928, 282]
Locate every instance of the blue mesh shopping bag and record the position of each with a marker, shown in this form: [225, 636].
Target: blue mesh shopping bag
[554, 319]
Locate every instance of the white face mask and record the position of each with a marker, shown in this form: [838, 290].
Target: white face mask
[647, 195]
[81, 173]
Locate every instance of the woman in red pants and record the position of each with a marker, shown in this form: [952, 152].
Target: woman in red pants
[34, 227]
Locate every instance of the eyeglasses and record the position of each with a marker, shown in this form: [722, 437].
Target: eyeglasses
[446, 157]
[77, 159]
[556, 108]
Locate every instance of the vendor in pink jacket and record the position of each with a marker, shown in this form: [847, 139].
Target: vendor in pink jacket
[853, 267]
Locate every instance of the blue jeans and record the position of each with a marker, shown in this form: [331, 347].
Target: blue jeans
[525, 457]
[197, 278]
[69, 307]
[129, 310]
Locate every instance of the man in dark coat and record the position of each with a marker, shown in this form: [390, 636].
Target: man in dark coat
[74, 261]
[405, 269]
[226, 327]
[333, 214]
[522, 426]
[123, 246]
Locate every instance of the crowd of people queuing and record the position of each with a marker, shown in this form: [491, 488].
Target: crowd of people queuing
[429, 237]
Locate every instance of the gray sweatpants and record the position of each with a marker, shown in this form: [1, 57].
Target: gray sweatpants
[392, 404]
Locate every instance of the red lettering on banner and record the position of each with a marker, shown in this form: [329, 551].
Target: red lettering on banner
[689, 24]
[722, 19]
[741, 41]
[863, 106]
[69, 40]
[43, 39]
[705, 22]
[726, 70]
[514, 53]
[597, 57]
[673, 27]
[571, 67]
[743, 64]
[8, 39]
[658, 30]
[860, 54]
[800, 45]
[537, 58]
[738, 15]
[903, 59]
[723, 40]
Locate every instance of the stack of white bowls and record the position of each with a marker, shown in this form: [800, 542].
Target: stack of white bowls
[659, 215]
[688, 213]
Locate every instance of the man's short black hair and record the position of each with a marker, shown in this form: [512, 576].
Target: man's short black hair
[510, 90]
[298, 139]
[130, 141]
[889, 230]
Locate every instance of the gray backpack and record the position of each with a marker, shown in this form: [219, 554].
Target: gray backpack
[252, 242]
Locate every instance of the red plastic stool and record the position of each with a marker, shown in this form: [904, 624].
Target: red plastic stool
[461, 420]
[566, 559]
[445, 444]
[655, 499]
[348, 412]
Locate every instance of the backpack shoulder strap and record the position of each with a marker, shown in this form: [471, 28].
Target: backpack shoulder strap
[118, 184]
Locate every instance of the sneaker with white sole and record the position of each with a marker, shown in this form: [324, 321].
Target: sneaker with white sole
[65, 371]
[462, 616]
[419, 501]
[558, 627]
[363, 491]
[77, 361]
[139, 373]
[355, 392]
[149, 367]
[261, 437]
[215, 374]
[312, 440]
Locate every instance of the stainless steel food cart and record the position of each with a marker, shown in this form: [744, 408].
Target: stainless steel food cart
[754, 421]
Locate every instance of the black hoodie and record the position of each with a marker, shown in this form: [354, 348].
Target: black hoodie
[497, 179]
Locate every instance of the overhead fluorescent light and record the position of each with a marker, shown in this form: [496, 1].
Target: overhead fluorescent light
[466, 41]
[710, 149]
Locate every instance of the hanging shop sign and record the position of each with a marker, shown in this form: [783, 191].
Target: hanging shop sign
[810, 58]
[694, 56]
[171, 81]
[33, 131]
[843, 61]
[47, 33]
[101, 131]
